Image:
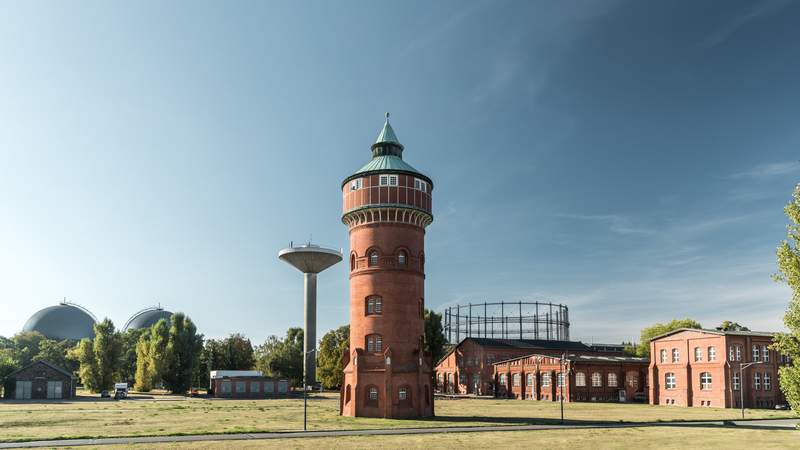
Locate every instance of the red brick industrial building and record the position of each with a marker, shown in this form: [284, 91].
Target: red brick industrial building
[387, 205]
[246, 384]
[468, 367]
[691, 367]
[579, 378]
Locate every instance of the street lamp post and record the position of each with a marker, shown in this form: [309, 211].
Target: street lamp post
[561, 384]
[743, 366]
[305, 392]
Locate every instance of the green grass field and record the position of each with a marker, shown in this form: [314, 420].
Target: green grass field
[172, 415]
[596, 439]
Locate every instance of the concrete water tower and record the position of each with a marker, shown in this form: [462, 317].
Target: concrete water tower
[311, 260]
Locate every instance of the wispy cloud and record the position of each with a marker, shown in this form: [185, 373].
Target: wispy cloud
[768, 170]
[758, 10]
[616, 223]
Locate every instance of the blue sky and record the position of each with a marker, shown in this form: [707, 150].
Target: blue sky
[630, 159]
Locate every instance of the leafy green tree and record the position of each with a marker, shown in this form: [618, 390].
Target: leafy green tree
[143, 377]
[334, 344]
[788, 344]
[99, 358]
[26, 346]
[151, 356]
[232, 353]
[7, 364]
[648, 333]
[731, 326]
[107, 347]
[88, 371]
[283, 357]
[434, 335]
[182, 355]
[56, 353]
[129, 340]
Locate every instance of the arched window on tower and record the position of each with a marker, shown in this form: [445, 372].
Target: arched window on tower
[352, 261]
[374, 305]
[401, 258]
[373, 258]
[374, 343]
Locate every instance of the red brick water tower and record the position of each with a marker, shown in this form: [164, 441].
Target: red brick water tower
[387, 205]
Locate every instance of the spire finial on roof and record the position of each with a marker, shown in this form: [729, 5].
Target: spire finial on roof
[386, 134]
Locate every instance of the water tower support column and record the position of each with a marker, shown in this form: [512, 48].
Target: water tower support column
[310, 327]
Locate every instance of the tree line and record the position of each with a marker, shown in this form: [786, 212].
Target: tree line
[173, 356]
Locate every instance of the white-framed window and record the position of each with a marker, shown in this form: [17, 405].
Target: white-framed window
[756, 353]
[676, 355]
[663, 355]
[355, 184]
[731, 354]
[757, 381]
[765, 353]
[698, 354]
[736, 381]
[373, 258]
[738, 352]
[580, 379]
[373, 393]
[401, 258]
[712, 353]
[670, 381]
[387, 180]
[632, 379]
[560, 379]
[374, 343]
[597, 379]
[767, 382]
[503, 379]
[705, 381]
[403, 393]
[529, 380]
[612, 380]
[516, 379]
[420, 185]
[546, 379]
[374, 305]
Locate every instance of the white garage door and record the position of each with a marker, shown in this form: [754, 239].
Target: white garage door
[23, 391]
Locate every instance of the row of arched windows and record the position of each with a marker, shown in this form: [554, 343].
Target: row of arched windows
[403, 395]
[373, 259]
[373, 306]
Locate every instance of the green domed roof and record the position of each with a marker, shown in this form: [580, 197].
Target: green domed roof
[387, 163]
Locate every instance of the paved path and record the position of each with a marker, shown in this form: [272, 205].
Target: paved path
[786, 424]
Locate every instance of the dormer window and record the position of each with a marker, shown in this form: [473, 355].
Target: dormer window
[355, 185]
[420, 185]
[387, 180]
